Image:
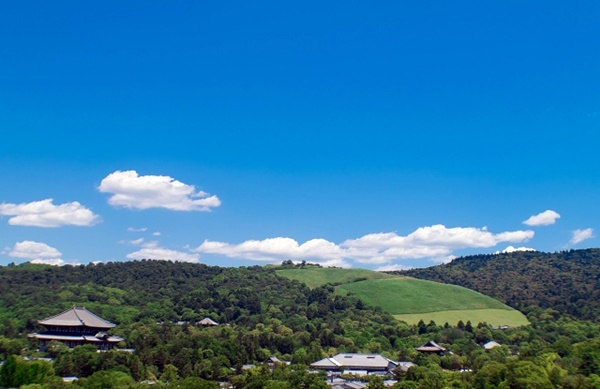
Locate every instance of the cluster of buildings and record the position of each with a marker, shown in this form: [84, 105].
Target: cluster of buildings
[78, 326]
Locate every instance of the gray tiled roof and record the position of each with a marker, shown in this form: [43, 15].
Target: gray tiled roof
[77, 316]
[355, 362]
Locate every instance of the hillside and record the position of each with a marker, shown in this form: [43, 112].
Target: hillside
[290, 317]
[408, 298]
[567, 281]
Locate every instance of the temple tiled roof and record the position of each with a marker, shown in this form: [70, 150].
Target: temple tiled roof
[369, 362]
[431, 346]
[76, 338]
[75, 317]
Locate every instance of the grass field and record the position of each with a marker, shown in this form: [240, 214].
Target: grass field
[411, 299]
[410, 295]
[314, 276]
[496, 317]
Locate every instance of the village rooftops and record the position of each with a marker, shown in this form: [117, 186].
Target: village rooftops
[347, 361]
[77, 317]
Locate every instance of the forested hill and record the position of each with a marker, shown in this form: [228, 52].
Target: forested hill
[567, 281]
[159, 290]
[291, 319]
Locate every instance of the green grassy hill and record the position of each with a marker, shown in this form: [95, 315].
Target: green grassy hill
[410, 299]
[317, 276]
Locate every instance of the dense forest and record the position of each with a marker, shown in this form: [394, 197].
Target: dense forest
[566, 281]
[156, 303]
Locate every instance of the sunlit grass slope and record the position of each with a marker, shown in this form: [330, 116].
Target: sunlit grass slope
[411, 299]
[497, 317]
[315, 276]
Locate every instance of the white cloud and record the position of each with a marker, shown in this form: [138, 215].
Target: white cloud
[34, 250]
[545, 218]
[434, 242]
[39, 253]
[131, 190]
[151, 250]
[137, 241]
[512, 249]
[426, 242]
[393, 268]
[131, 229]
[45, 214]
[156, 233]
[50, 261]
[581, 235]
[443, 259]
[278, 249]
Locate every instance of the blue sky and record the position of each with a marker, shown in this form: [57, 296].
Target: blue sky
[388, 135]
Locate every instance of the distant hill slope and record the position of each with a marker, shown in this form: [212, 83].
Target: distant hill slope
[408, 298]
[567, 281]
[318, 276]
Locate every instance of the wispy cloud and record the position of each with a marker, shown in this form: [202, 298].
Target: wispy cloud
[131, 190]
[581, 235]
[151, 250]
[142, 229]
[393, 268]
[436, 243]
[45, 214]
[545, 218]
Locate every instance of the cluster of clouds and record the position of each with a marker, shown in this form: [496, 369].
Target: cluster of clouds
[436, 242]
[128, 189]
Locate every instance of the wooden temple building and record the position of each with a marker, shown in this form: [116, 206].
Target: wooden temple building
[75, 327]
[431, 348]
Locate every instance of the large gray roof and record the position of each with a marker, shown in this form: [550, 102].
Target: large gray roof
[355, 361]
[75, 317]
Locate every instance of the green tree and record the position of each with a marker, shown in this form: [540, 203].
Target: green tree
[8, 372]
[169, 374]
[526, 375]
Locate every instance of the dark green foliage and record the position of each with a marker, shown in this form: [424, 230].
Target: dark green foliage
[566, 281]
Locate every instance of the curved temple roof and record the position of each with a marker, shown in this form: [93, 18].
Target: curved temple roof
[75, 317]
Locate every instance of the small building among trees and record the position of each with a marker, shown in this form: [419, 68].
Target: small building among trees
[207, 322]
[77, 326]
[431, 348]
